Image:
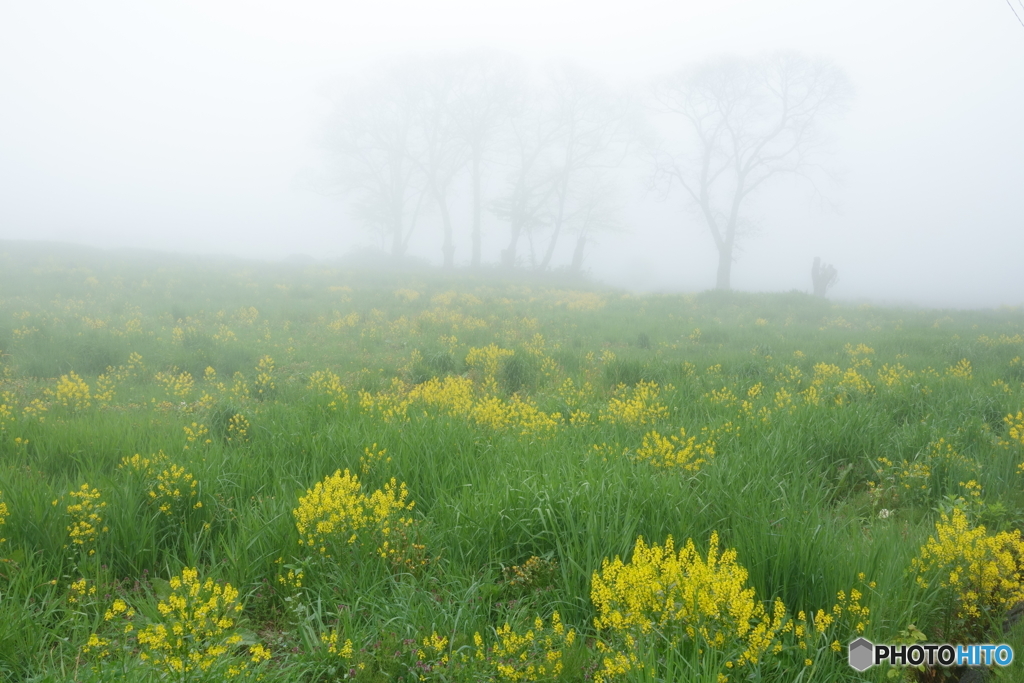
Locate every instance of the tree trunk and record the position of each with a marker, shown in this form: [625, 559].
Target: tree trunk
[554, 235]
[724, 266]
[577, 254]
[517, 218]
[551, 246]
[476, 209]
[558, 218]
[448, 248]
[397, 243]
[508, 254]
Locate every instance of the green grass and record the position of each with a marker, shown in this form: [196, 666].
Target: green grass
[795, 484]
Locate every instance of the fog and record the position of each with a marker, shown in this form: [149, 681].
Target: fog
[216, 128]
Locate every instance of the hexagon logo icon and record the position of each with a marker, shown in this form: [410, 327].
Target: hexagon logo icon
[862, 654]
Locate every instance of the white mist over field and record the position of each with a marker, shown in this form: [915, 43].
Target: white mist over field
[200, 127]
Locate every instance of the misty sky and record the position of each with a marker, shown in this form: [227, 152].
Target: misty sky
[189, 126]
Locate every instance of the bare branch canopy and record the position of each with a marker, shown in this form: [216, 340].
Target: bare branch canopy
[734, 124]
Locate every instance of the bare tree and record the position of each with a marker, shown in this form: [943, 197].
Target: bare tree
[595, 211]
[823, 276]
[1014, 10]
[532, 136]
[592, 124]
[562, 132]
[488, 84]
[737, 123]
[435, 147]
[368, 141]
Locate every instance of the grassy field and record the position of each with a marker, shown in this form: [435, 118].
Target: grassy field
[214, 469]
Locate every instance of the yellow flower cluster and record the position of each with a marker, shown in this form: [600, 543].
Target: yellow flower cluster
[264, 383]
[1001, 340]
[132, 326]
[178, 385]
[79, 590]
[238, 428]
[1015, 428]
[516, 414]
[239, 389]
[445, 298]
[899, 482]
[784, 401]
[247, 315]
[22, 332]
[574, 396]
[258, 653]
[854, 382]
[434, 647]
[86, 522]
[293, 579]
[636, 406]
[675, 451]
[860, 355]
[941, 452]
[127, 371]
[224, 334]
[535, 345]
[407, 295]
[457, 397]
[332, 508]
[4, 514]
[839, 323]
[962, 370]
[453, 395]
[535, 655]
[985, 572]
[371, 457]
[104, 393]
[179, 332]
[683, 596]
[6, 410]
[578, 301]
[331, 638]
[723, 396]
[1000, 384]
[894, 375]
[196, 632]
[174, 490]
[143, 466]
[341, 322]
[119, 608]
[912, 480]
[336, 510]
[486, 362]
[536, 572]
[72, 392]
[197, 434]
[326, 383]
[824, 374]
[96, 645]
[823, 623]
[662, 599]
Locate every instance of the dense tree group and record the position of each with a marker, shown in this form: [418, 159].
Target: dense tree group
[456, 137]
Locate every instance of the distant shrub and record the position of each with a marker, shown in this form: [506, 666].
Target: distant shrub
[519, 373]
[629, 372]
